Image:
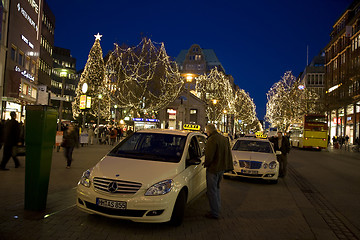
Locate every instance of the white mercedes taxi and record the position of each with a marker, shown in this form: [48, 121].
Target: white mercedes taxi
[148, 177]
[254, 158]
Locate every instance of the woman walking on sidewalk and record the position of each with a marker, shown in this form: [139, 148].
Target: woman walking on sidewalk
[70, 141]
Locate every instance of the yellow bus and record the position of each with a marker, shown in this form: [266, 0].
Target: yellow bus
[312, 133]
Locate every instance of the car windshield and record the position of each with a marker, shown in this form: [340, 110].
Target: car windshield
[151, 146]
[252, 146]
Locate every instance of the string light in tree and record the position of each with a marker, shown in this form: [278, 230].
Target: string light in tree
[143, 78]
[287, 103]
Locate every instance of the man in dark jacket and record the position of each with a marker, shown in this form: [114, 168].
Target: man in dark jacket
[218, 159]
[282, 144]
[11, 139]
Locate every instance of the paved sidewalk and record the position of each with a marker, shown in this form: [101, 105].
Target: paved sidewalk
[250, 210]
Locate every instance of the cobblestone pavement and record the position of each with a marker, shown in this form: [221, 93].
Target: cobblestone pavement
[250, 210]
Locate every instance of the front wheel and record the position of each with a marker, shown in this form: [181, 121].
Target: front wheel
[177, 216]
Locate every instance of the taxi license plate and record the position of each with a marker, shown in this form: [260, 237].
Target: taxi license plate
[249, 171]
[111, 204]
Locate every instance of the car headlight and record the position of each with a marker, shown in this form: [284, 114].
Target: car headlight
[235, 163]
[160, 188]
[85, 178]
[272, 165]
[265, 165]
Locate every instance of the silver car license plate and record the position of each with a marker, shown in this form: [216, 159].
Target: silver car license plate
[111, 204]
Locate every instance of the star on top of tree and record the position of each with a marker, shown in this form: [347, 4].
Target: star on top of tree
[98, 36]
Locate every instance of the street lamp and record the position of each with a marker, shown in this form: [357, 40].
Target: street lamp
[84, 89]
[63, 75]
[115, 106]
[98, 120]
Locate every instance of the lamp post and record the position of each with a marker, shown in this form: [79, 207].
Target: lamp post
[98, 120]
[115, 106]
[84, 89]
[225, 121]
[189, 78]
[63, 75]
[214, 102]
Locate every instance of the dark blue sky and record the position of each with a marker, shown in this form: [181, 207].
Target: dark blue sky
[256, 41]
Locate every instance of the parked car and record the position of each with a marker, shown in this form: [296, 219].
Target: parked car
[148, 177]
[254, 158]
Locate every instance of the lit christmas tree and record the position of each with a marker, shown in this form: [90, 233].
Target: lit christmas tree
[142, 78]
[94, 77]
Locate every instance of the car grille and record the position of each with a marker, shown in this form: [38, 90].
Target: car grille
[250, 164]
[122, 187]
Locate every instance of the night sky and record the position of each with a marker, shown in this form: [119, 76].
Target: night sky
[256, 41]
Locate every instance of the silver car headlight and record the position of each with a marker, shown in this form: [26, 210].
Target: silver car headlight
[272, 165]
[160, 188]
[85, 178]
[265, 165]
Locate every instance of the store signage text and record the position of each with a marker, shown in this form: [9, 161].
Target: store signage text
[27, 17]
[34, 5]
[27, 41]
[338, 120]
[25, 73]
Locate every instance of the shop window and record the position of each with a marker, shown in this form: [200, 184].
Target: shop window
[34, 93]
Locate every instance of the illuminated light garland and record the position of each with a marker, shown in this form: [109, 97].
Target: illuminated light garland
[143, 78]
[215, 88]
[287, 104]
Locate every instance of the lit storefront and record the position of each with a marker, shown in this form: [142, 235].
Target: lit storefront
[345, 122]
[145, 123]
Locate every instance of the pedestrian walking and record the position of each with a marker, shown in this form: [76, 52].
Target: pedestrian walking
[218, 159]
[70, 141]
[11, 140]
[91, 135]
[113, 135]
[282, 144]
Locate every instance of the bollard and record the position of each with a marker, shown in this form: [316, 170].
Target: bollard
[40, 138]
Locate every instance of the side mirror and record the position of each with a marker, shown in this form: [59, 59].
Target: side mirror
[278, 152]
[193, 161]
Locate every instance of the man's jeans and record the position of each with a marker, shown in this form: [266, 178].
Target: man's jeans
[213, 191]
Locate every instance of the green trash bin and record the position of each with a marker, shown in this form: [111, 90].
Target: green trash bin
[40, 132]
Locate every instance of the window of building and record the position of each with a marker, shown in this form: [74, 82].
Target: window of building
[33, 67]
[13, 53]
[21, 58]
[193, 116]
[197, 57]
[27, 63]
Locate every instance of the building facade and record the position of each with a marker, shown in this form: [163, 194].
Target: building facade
[313, 78]
[342, 74]
[188, 108]
[23, 76]
[64, 80]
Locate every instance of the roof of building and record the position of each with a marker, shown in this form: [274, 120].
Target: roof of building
[210, 57]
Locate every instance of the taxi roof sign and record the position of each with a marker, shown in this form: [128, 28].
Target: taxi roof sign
[192, 127]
